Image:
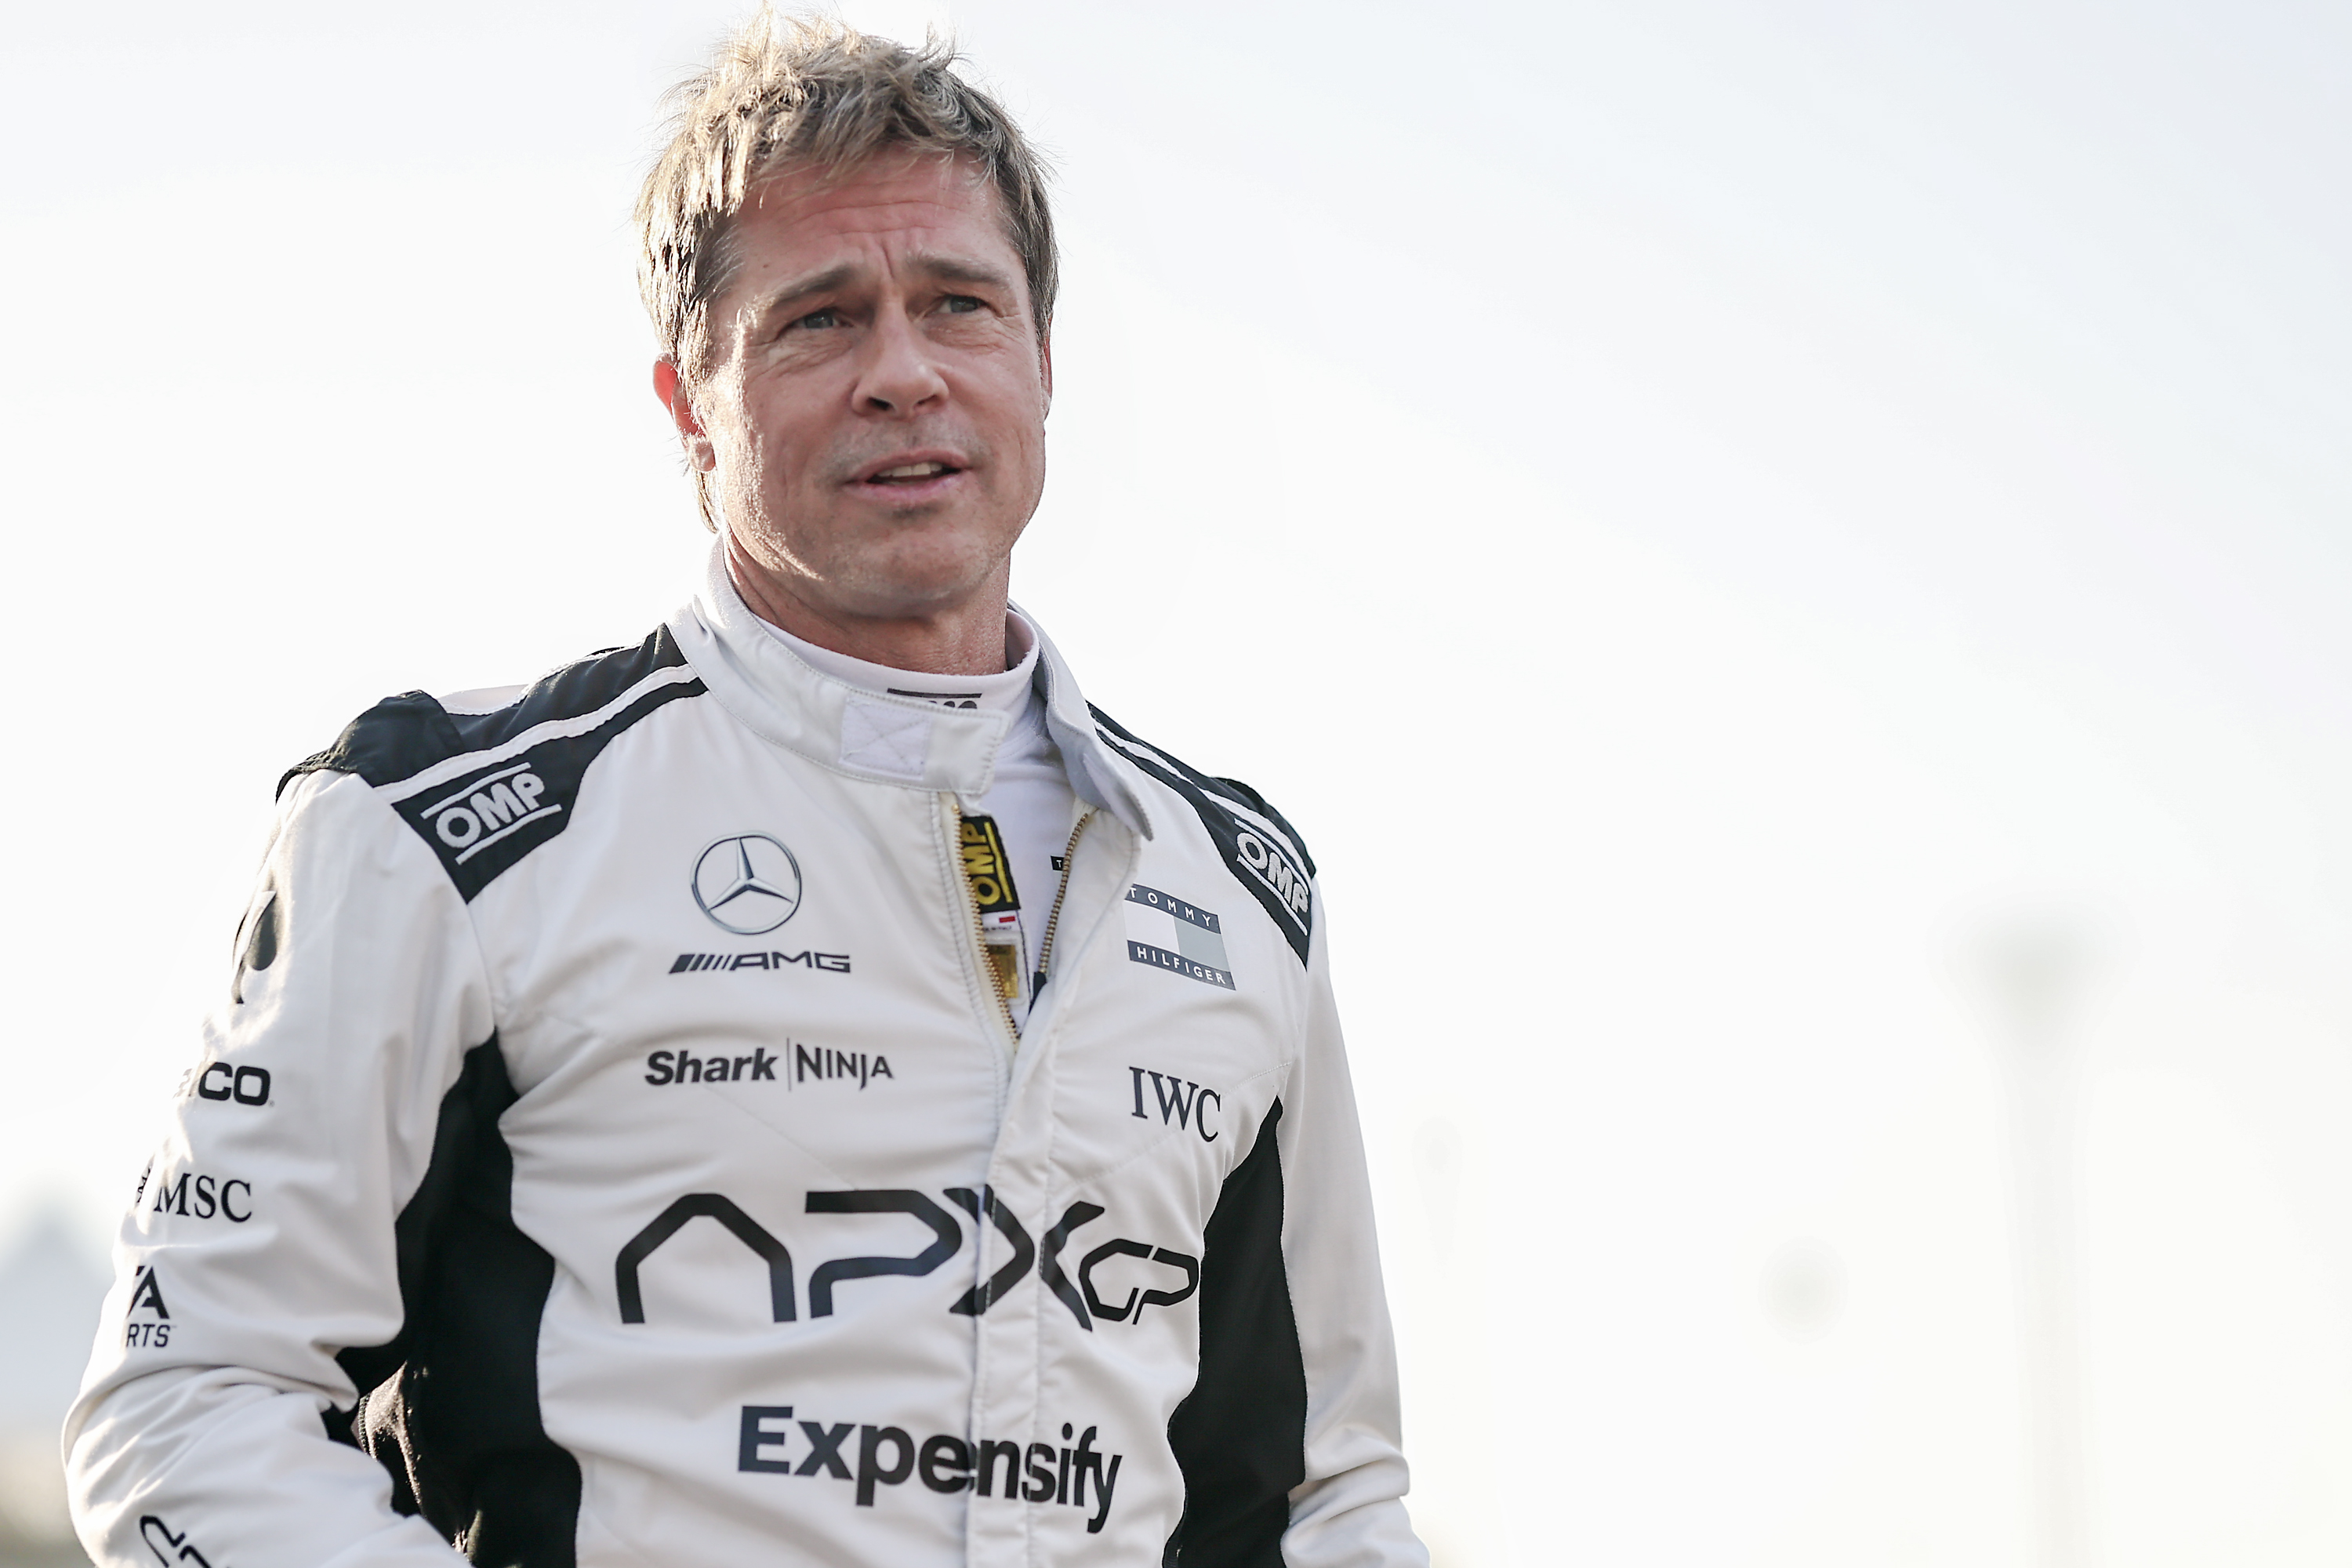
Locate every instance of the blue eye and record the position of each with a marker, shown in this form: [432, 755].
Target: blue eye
[962, 304]
[829, 317]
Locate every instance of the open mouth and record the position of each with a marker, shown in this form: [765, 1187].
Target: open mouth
[903, 474]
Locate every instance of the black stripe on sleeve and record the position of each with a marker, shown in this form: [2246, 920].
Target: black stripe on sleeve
[482, 821]
[1269, 862]
[402, 736]
[450, 1407]
[1240, 1437]
[1231, 789]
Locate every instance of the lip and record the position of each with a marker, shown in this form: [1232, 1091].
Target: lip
[957, 464]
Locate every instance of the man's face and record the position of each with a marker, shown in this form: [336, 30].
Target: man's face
[875, 417]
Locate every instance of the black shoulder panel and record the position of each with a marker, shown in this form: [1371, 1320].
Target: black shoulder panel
[1274, 868]
[483, 820]
[451, 1405]
[1241, 1435]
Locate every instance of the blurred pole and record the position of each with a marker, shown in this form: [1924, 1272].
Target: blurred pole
[2033, 975]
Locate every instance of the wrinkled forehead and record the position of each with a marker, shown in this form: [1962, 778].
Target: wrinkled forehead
[894, 190]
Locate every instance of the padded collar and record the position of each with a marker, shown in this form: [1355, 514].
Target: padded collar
[902, 740]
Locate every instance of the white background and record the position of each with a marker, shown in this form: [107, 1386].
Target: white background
[1705, 515]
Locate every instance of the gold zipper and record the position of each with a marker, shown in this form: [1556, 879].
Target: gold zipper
[1053, 919]
[1053, 916]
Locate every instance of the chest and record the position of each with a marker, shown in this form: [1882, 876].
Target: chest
[732, 962]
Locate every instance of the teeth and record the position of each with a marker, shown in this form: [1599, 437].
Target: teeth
[912, 471]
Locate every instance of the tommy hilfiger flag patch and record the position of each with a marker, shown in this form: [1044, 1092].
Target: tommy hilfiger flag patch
[1167, 932]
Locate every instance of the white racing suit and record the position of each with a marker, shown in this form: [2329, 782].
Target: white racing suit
[614, 1150]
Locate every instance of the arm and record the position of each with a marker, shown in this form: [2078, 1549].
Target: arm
[1289, 1440]
[1348, 1509]
[261, 1243]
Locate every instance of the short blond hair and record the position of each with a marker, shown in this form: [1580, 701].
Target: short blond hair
[806, 91]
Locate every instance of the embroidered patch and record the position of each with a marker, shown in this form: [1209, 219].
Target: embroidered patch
[885, 739]
[1167, 932]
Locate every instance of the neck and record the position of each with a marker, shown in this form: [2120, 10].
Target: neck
[964, 638]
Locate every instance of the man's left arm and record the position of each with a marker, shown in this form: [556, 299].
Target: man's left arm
[1348, 1511]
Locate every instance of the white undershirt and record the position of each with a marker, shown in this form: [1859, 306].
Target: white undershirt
[1029, 796]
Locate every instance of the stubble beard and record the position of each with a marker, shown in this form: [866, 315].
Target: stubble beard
[876, 567]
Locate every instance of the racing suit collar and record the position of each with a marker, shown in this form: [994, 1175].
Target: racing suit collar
[903, 741]
[1096, 776]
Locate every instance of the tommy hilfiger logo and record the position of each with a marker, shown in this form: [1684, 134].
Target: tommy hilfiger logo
[1170, 933]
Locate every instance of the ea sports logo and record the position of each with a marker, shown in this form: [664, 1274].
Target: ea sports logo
[748, 884]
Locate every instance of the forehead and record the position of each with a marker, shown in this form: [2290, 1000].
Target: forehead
[805, 217]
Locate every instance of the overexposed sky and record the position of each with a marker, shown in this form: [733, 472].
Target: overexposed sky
[1703, 514]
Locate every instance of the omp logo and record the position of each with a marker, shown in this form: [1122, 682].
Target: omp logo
[1149, 1276]
[1275, 870]
[940, 698]
[489, 809]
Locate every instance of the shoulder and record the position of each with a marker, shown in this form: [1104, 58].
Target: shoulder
[485, 781]
[402, 736]
[1265, 853]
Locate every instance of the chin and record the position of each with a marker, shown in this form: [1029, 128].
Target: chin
[910, 591]
[918, 574]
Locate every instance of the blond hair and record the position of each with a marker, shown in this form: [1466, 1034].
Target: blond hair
[804, 91]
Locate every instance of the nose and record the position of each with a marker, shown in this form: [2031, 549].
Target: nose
[899, 377]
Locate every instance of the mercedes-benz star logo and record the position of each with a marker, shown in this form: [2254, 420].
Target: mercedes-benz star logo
[748, 884]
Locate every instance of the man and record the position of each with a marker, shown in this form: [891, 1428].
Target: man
[804, 1087]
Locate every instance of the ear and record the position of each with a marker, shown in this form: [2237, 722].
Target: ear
[670, 387]
[1045, 366]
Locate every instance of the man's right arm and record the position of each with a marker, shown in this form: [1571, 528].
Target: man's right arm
[261, 1242]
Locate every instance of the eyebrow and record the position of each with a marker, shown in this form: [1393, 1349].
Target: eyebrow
[821, 282]
[961, 270]
[933, 264]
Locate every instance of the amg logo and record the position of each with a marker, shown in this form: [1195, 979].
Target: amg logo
[489, 809]
[695, 962]
[1274, 868]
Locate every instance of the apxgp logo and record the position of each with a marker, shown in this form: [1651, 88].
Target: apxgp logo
[170, 1550]
[748, 884]
[1150, 1275]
